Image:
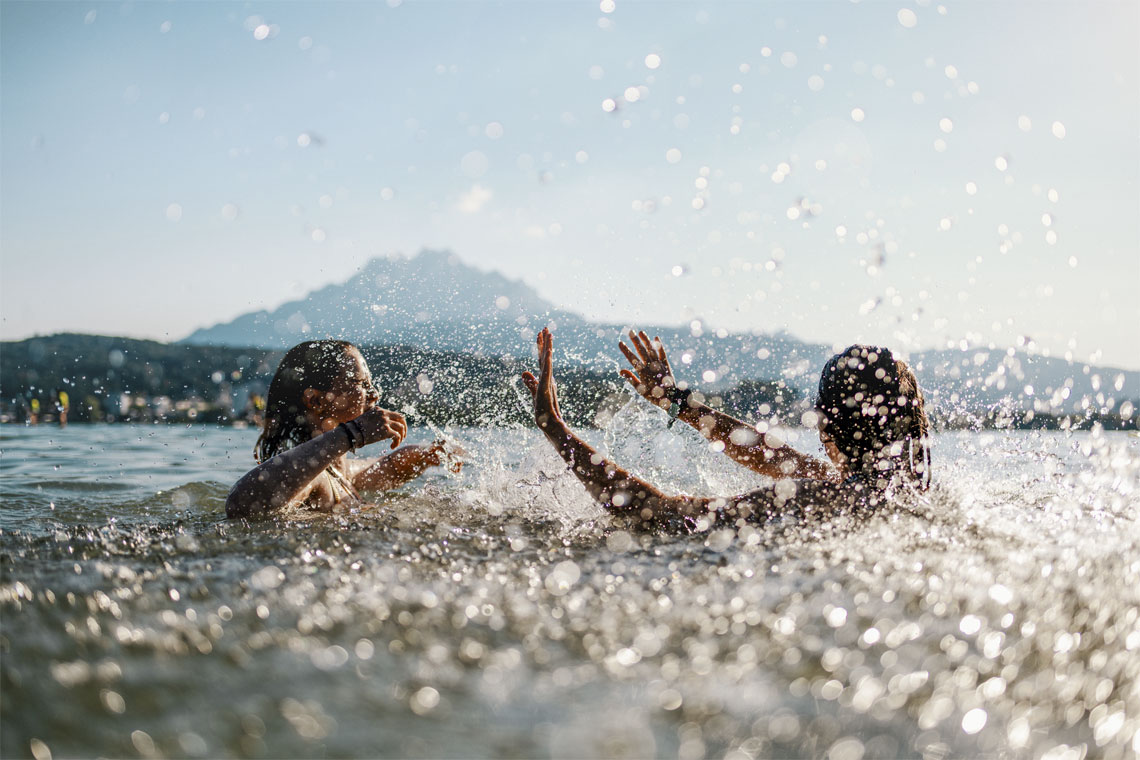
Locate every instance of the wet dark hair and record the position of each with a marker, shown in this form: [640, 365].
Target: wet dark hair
[319, 364]
[871, 406]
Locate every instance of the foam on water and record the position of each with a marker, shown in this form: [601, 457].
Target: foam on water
[502, 612]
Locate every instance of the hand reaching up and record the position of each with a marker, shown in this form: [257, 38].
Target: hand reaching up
[652, 376]
[546, 412]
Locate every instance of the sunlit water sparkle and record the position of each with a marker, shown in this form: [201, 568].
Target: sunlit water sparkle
[499, 612]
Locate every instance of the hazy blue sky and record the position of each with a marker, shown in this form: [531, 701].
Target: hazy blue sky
[909, 173]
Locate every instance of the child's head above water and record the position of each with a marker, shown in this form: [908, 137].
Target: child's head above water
[871, 409]
[317, 379]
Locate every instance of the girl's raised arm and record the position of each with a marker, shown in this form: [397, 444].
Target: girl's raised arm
[652, 377]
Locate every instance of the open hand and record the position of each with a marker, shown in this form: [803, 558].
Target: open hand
[652, 376]
[542, 388]
[447, 454]
[379, 424]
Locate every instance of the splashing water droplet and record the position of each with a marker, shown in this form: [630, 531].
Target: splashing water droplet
[974, 721]
[474, 164]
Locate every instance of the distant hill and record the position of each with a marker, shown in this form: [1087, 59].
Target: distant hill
[436, 302]
[121, 378]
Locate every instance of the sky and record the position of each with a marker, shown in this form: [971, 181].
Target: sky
[915, 174]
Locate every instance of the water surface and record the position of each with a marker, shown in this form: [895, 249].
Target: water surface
[501, 613]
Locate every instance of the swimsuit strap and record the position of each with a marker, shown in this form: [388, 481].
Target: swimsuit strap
[337, 480]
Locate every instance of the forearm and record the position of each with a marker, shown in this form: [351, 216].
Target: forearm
[396, 469]
[614, 487]
[748, 447]
[283, 479]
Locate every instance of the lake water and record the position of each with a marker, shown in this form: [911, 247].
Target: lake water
[501, 613]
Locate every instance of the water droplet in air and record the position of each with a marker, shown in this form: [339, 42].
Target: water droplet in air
[857, 114]
[631, 94]
[946, 125]
[164, 27]
[261, 32]
[971, 188]
[474, 164]
[789, 59]
[607, 6]
[815, 83]
[1024, 123]
[174, 212]
[908, 18]
[609, 105]
[1058, 130]
[1001, 163]
[652, 61]
[89, 18]
[673, 155]
[974, 721]
[229, 212]
[494, 130]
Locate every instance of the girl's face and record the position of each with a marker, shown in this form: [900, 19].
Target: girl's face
[352, 394]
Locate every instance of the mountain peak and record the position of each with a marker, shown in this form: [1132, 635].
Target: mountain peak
[399, 299]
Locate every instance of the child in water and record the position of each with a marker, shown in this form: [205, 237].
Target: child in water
[871, 422]
[321, 405]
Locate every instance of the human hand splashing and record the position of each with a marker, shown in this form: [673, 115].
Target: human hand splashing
[652, 376]
[547, 415]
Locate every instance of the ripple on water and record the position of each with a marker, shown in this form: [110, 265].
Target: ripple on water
[501, 613]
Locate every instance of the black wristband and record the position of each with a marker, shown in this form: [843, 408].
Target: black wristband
[355, 434]
[351, 438]
[678, 402]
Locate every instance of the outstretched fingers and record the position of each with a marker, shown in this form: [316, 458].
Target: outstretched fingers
[531, 383]
[634, 361]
